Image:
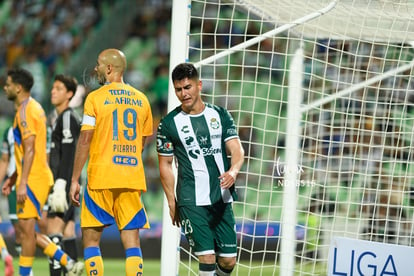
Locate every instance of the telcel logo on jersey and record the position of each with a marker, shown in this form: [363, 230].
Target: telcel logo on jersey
[125, 160]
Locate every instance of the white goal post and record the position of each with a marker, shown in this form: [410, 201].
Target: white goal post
[323, 95]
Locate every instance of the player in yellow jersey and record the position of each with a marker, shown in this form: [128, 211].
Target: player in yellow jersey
[33, 177]
[117, 118]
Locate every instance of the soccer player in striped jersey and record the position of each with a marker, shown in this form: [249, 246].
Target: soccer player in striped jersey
[7, 168]
[201, 136]
[116, 120]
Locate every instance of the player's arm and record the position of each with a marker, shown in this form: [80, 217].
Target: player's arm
[9, 183]
[236, 152]
[81, 155]
[4, 160]
[28, 157]
[4, 163]
[144, 139]
[168, 183]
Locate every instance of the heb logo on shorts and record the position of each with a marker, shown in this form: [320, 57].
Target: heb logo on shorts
[352, 257]
[125, 160]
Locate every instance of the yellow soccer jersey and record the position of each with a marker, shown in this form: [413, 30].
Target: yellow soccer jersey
[120, 116]
[30, 120]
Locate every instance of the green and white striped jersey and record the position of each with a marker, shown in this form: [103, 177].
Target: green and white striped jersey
[198, 143]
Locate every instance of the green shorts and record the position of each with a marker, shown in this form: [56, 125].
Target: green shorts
[210, 229]
[12, 205]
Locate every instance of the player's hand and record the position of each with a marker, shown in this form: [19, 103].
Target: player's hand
[57, 199]
[21, 193]
[74, 193]
[8, 184]
[227, 179]
[174, 214]
[6, 189]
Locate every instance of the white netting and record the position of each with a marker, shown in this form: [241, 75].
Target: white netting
[375, 20]
[356, 142]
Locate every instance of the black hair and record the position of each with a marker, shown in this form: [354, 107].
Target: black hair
[184, 70]
[70, 82]
[21, 76]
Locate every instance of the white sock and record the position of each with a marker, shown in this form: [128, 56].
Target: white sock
[4, 253]
[206, 273]
[220, 272]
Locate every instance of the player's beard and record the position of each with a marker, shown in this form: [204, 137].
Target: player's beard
[101, 78]
[11, 96]
[101, 81]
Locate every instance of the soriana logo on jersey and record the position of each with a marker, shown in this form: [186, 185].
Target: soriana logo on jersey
[125, 160]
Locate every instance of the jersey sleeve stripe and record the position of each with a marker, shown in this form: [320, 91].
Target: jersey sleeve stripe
[66, 121]
[231, 137]
[165, 154]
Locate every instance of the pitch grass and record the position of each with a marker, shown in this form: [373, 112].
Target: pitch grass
[152, 267]
[111, 267]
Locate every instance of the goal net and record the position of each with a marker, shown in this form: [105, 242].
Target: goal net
[352, 152]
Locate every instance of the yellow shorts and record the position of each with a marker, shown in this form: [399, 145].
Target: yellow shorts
[105, 207]
[33, 205]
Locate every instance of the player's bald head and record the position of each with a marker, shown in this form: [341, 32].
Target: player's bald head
[114, 57]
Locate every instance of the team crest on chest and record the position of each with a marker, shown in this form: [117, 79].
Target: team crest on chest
[214, 123]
